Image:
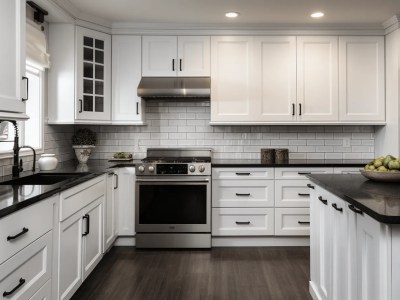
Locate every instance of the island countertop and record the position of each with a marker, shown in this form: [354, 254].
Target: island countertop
[380, 201]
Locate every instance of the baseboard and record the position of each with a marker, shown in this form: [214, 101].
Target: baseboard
[313, 291]
[259, 241]
[125, 241]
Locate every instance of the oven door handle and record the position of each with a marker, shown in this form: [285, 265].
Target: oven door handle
[173, 180]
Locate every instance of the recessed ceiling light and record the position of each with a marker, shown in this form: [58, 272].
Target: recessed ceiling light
[317, 14]
[232, 14]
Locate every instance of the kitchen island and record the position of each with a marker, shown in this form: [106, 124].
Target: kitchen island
[354, 238]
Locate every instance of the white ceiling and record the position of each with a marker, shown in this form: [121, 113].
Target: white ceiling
[251, 11]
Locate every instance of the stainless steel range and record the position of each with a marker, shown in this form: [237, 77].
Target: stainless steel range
[173, 199]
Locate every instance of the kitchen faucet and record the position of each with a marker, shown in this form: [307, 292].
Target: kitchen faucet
[17, 165]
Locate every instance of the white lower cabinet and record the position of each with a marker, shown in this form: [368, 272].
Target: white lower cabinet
[126, 201]
[81, 234]
[44, 293]
[292, 221]
[110, 222]
[350, 257]
[242, 221]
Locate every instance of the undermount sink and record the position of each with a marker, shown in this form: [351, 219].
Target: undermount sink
[43, 179]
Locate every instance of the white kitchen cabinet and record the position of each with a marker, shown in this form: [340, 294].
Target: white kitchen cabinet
[317, 78]
[126, 201]
[292, 221]
[232, 79]
[292, 193]
[350, 251]
[13, 83]
[79, 81]
[111, 210]
[275, 72]
[128, 108]
[170, 56]
[362, 78]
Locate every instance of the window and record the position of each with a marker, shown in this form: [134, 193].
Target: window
[30, 131]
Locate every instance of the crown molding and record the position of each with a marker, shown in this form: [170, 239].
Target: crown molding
[392, 24]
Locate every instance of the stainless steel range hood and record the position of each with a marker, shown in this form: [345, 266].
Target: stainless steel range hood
[186, 88]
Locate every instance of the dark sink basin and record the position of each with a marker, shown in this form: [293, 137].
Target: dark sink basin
[43, 179]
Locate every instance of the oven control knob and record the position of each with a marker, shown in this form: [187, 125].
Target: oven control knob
[202, 168]
[151, 169]
[192, 168]
[141, 169]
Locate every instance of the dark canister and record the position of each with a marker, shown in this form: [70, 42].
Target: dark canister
[268, 156]
[281, 155]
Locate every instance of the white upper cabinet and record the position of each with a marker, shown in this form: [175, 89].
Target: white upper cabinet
[128, 108]
[275, 72]
[13, 84]
[317, 78]
[93, 58]
[232, 83]
[170, 56]
[79, 81]
[361, 75]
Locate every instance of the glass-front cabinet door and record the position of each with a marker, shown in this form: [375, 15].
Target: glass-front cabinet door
[93, 53]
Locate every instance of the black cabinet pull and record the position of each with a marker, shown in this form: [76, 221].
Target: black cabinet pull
[242, 223]
[116, 181]
[303, 222]
[27, 88]
[299, 109]
[87, 218]
[180, 65]
[111, 173]
[173, 64]
[81, 105]
[334, 205]
[356, 210]
[324, 201]
[293, 109]
[310, 186]
[13, 237]
[137, 108]
[303, 194]
[243, 174]
[21, 283]
[239, 194]
[304, 173]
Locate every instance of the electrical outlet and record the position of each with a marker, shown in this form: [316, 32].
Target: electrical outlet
[346, 142]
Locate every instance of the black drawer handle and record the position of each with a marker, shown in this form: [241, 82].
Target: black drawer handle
[21, 283]
[299, 109]
[243, 174]
[293, 109]
[337, 208]
[324, 201]
[13, 237]
[116, 181]
[80, 106]
[242, 223]
[87, 218]
[310, 186]
[27, 88]
[303, 194]
[173, 64]
[242, 194]
[180, 65]
[356, 210]
[303, 222]
[304, 173]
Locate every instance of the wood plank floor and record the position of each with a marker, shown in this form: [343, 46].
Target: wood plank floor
[221, 273]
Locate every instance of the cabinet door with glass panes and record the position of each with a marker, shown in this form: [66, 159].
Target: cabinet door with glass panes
[93, 62]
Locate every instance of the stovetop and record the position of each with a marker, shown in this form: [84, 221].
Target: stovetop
[156, 160]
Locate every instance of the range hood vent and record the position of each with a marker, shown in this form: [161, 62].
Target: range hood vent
[185, 88]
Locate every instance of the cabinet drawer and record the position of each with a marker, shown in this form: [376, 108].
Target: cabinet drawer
[292, 193]
[242, 221]
[246, 193]
[347, 170]
[299, 173]
[78, 197]
[27, 271]
[243, 173]
[25, 225]
[44, 293]
[292, 221]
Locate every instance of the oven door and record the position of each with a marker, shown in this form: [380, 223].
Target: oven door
[173, 204]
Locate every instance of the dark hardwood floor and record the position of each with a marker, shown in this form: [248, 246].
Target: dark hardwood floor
[221, 273]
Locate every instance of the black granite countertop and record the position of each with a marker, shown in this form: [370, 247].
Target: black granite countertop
[379, 200]
[290, 163]
[16, 197]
